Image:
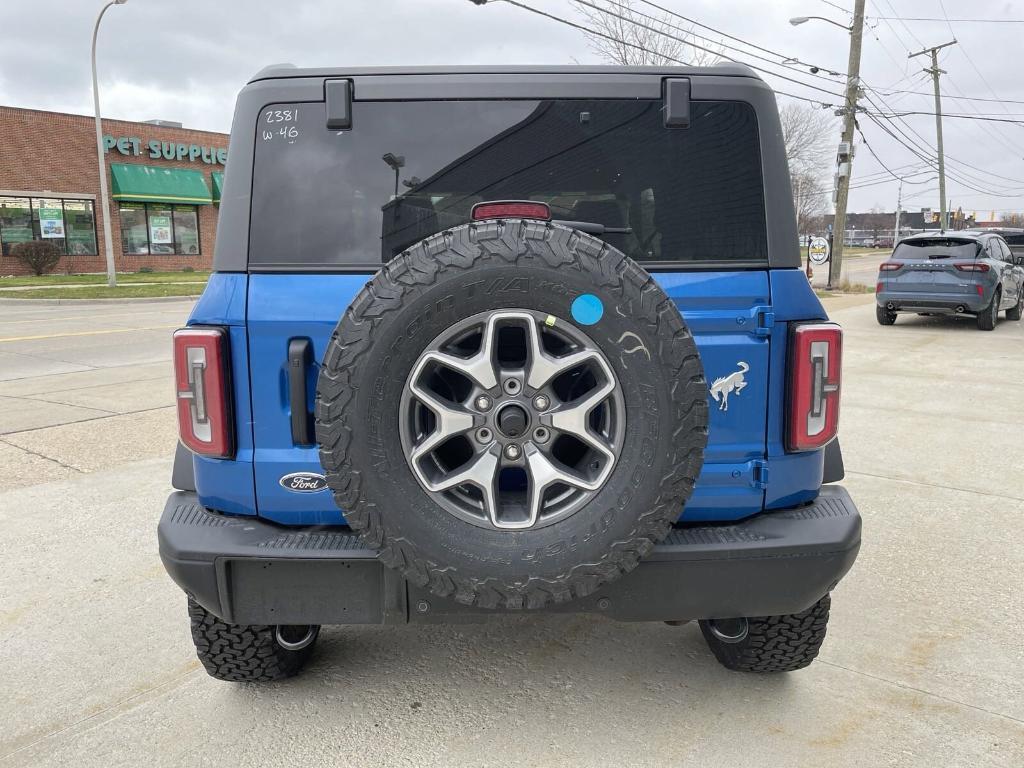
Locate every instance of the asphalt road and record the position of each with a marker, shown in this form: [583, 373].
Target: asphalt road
[922, 665]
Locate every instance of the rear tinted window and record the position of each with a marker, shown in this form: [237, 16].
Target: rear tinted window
[936, 248]
[406, 170]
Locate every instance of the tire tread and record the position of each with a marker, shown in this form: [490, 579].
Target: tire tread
[525, 243]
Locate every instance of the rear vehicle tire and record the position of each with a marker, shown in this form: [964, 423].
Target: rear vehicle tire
[1014, 312]
[989, 316]
[241, 653]
[491, 511]
[769, 643]
[884, 316]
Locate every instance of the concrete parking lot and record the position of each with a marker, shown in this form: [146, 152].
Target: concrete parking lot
[922, 665]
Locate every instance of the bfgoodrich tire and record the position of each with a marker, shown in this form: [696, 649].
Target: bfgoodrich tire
[769, 643]
[556, 281]
[248, 653]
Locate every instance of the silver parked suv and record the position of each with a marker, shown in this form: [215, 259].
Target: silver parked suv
[966, 272]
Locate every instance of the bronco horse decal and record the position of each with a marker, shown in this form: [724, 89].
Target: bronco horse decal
[733, 383]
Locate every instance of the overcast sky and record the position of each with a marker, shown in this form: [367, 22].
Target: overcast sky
[186, 59]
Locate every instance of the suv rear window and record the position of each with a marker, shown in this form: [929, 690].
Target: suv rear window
[406, 170]
[936, 248]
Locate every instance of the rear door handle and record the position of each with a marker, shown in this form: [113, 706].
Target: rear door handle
[300, 355]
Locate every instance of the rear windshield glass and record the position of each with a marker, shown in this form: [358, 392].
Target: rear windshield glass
[406, 170]
[937, 248]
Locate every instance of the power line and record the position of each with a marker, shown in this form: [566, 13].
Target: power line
[686, 41]
[874, 117]
[979, 116]
[954, 21]
[689, 33]
[963, 181]
[837, 7]
[893, 119]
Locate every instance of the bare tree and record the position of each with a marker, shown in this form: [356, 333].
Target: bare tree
[1012, 220]
[809, 200]
[805, 134]
[625, 35]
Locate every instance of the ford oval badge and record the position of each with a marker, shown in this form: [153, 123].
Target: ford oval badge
[304, 482]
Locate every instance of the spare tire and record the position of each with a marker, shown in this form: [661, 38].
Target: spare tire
[513, 413]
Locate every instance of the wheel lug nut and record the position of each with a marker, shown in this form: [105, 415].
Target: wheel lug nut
[512, 451]
[541, 402]
[483, 403]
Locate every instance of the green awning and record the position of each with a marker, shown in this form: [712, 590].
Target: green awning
[147, 184]
[218, 185]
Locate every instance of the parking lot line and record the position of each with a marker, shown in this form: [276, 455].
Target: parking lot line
[88, 333]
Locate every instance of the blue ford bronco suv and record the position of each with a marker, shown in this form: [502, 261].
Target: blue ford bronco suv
[497, 339]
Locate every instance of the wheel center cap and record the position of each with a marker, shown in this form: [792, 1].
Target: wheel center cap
[512, 420]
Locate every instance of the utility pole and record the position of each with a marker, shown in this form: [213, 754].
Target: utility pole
[935, 72]
[899, 212]
[845, 167]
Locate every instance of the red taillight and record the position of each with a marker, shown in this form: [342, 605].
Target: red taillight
[971, 266]
[511, 209]
[889, 266]
[878, 287]
[815, 370]
[201, 382]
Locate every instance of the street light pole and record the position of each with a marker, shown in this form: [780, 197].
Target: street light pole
[104, 203]
[935, 72]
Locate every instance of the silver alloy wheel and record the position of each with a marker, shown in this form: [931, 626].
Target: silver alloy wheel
[487, 465]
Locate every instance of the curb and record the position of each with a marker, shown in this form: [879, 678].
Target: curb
[5, 302]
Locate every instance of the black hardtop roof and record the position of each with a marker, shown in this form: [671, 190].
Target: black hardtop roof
[728, 69]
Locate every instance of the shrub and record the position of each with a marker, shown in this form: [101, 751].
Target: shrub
[188, 269]
[38, 255]
[145, 270]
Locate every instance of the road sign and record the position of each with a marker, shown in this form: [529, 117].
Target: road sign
[818, 252]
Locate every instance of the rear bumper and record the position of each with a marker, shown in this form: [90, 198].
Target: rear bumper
[944, 303]
[248, 571]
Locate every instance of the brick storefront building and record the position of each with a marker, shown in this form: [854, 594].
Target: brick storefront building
[164, 183]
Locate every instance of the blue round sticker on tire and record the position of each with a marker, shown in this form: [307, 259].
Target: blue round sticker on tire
[587, 309]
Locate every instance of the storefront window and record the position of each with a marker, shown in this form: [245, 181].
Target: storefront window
[186, 230]
[80, 225]
[67, 224]
[159, 229]
[48, 222]
[15, 222]
[134, 236]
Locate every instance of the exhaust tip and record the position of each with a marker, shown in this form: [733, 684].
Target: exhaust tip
[295, 638]
[960, 309]
[890, 306]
